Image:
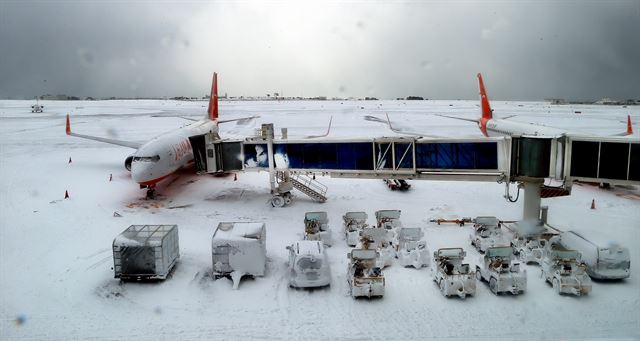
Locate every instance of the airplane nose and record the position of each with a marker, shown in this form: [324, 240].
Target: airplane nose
[142, 172]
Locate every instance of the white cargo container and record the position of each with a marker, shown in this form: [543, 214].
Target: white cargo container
[604, 259]
[145, 252]
[239, 249]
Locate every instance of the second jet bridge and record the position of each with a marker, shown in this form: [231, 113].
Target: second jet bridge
[566, 158]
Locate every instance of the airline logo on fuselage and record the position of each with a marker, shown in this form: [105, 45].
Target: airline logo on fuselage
[181, 149]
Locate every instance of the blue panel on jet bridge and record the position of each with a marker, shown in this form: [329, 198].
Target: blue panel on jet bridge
[331, 156]
[474, 155]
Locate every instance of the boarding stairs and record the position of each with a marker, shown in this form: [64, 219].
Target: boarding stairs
[305, 184]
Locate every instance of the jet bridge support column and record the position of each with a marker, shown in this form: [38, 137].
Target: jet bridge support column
[532, 200]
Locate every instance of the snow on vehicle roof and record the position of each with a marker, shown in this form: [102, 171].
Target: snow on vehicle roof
[597, 238]
[451, 253]
[310, 247]
[238, 230]
[143, 235]
[356, 215]
[320, 216]
[363, 254]
[393, 214]
[503, 251]
[487, 220]
[411, 233]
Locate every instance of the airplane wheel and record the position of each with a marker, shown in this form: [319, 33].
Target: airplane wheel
[277, 201]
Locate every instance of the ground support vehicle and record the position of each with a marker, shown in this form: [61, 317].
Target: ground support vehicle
[452, 276]
[501, 271]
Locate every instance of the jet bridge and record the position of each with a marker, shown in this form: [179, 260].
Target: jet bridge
[528, 160]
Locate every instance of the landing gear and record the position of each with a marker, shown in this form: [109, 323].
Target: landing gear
[151, 193]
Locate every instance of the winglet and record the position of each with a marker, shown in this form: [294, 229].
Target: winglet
[629, 126]
[68, 130]
[484, 100]
[213, 99]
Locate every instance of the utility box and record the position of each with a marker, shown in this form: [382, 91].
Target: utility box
[239, 249]
[145, 252]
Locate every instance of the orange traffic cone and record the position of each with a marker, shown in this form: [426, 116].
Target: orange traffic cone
[66, 194]
[593, 204]
[235, 176]
[69, 159]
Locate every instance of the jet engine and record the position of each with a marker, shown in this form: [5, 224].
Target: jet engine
[127, 162]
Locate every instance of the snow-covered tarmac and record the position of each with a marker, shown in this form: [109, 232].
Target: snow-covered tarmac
[56, 277]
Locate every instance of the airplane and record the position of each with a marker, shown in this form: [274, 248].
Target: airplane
[490, 126]
[162, 156]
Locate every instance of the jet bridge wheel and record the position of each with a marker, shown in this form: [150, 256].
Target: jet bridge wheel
[277, 201]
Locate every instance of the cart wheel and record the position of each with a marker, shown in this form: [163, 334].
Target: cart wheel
[478, 274]
[277, 201]
[556, 285]
[493, 285]
[441, 285]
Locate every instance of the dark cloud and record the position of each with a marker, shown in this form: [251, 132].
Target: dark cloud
[526, 50]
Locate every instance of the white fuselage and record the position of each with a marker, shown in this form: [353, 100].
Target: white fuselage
[167, 153]
[497, 127]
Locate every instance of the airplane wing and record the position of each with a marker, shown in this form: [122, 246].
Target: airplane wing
[130, 144]
[398, 131]
[323, 135]
[243, 119]
[458, 118]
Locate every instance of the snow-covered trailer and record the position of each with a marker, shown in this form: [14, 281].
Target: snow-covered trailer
[354, 222]
[412, 249]
[238, 249]
[145, 252]
[604, 259]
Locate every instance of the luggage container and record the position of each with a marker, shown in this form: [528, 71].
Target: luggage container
[145, 252]
[239, 249]
[604, 259]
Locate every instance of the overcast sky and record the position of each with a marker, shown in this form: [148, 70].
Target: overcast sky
[387, 49]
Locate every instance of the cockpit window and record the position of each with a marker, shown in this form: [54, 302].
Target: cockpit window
[154, 158]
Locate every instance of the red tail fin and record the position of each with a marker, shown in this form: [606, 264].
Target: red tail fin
[68, 130]
[213, 100]
[484, 100]
[629, 126]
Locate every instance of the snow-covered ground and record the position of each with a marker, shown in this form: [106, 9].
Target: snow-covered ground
[56, 277]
